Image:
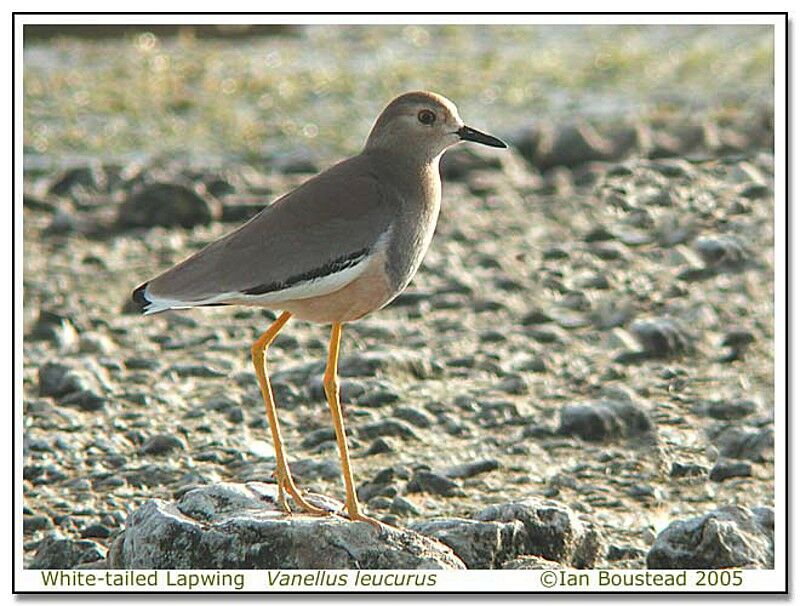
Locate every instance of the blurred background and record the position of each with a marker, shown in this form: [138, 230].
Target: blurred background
[249, 92]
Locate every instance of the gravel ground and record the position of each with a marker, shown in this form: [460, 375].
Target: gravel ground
[593, 330]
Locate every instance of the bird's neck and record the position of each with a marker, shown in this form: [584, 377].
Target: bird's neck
[409, 169]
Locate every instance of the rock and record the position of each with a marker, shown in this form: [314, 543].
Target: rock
[571, 145]
[473, 468]
[687, 470]
[92, 342]
[401, 506]
[722, 253]
[531, 562]
[433, 483]
[65, 222]
[624, 552]
[381, 446]
[197, 370]
[605, 420]
[84, 399]
[31, 524]
[392, 363]
[165, 205]
[745, 443]
[462, 160]
[661, 337]
[71, 386]
[238, 209]
[754, 191]
[235, 414]
[738, 339]
[725, 469]
[229, 525]
[318, 436]
[554, 253]
[298, 162]
[534, 317]
[728, 537]
[219, 186]
[550, 531]
[311, 469]
[55, 327]
[383, 483]
[480, 545]
[161, 444]
[138, 363]
[87, 177]
[598, 233]
[729, 410]
[60, 553]
[386, 427]
[414, 416]
[96, 531]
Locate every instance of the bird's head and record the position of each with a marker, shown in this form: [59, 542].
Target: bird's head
[423, 123]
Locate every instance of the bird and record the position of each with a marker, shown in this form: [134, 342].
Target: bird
[343, 244]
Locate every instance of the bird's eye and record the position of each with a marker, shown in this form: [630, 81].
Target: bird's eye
[426, 116]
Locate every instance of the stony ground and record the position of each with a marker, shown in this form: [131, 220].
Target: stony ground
[598, 334]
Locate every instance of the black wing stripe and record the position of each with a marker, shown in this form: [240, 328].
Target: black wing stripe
[335, 266]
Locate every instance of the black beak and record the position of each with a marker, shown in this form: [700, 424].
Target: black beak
[470, 134]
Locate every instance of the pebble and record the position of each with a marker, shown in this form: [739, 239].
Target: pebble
[433, 483]
[415, 416]
[755, 191]
[381, 446]
[161, 444]
[235, 414]
[96, 531]
[721, 252]
[318, 436]
[624, 552]
[60, 553]
[31, 524]
[387, 427]
[729, 410]
[91, 177]
[661, 337]
[56, 379]
[166, 205]
[684, 470]
[531, 562]
[738, 339]
[480, 545]
[745, 443]
[379, 503]
[373, 489]
[570, 145]
[196, 370]
[403, 507]
[725, 469]
[604, 420]
[84, 399]
[473, 468]
[137, 363]
[550, 531]
[728, 537]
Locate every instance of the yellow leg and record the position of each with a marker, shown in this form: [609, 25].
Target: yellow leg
[283, 476]
[331, 384]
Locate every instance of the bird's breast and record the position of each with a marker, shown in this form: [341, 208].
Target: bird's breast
[411, 236]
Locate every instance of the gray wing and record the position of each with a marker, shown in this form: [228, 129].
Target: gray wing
[328, 224]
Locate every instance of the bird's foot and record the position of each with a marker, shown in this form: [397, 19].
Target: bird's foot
[286, 484]
[357, 516]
